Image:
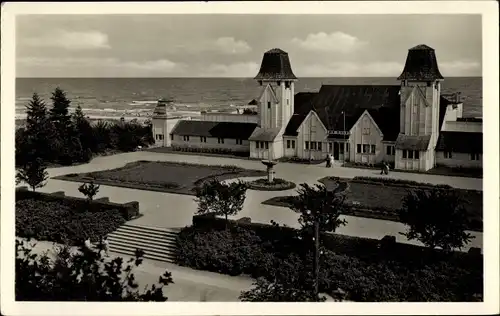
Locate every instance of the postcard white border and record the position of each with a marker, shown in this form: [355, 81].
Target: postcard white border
[489, 12]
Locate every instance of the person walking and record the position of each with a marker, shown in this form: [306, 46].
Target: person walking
[328, 161]
[331, 161]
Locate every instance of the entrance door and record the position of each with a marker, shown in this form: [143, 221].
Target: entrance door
[336, 151]
[341, 151]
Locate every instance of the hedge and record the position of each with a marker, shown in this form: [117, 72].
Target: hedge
[398, 182]
[128, 210]
[278, 185]
[367, 269]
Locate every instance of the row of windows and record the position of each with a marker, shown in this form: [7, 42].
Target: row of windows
[203, 139]
[411, 154]
[290, 143]
[314, 146]
[262, 145]
[365, 149]
[473, 156]
[390, 150]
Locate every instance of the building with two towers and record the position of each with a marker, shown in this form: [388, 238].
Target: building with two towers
[411, 125]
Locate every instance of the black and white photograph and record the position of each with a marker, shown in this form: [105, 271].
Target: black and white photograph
[238, 153]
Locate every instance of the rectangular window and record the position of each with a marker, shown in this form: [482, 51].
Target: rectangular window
[346, 147]
[366, 131]
[220, 140]
[262, 145]
[366, 148]
[474, 156]
[388, 151]
[288, 143]
[372, 149]
[410, 154]
[293, 144]
[320, 146]
[186, 138]
[171, 136]
[358, 148]
[287, 102]
[307, 145]
[267, 145]
[203, 139]
[448, 155]
[313, 145]
[404, 154]
[257, 145]
[268, 105]
[417, 154]
[239, 142]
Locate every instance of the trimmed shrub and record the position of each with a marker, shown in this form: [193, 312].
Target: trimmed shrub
[277, 185]
[61, 223]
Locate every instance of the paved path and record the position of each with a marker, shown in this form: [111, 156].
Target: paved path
[189, 285]
[172, 210]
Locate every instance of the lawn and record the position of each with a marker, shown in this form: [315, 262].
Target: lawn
[172, 177]
[383, 200]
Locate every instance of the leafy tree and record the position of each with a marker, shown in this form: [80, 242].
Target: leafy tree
[84, 131]
[317, 204]
[220, 198]
[81, 276]
[33, 173]
[436, 218]
[90, 190]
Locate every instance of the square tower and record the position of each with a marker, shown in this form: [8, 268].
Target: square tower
[277, 97]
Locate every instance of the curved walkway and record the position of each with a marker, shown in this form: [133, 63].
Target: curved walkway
[172, 210]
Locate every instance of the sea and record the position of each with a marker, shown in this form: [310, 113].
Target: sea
[136, 96]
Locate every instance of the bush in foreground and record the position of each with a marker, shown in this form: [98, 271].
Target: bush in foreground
[57, 222]
[364, 277]
[81, 276]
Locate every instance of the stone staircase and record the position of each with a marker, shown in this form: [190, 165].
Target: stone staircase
[157, 243]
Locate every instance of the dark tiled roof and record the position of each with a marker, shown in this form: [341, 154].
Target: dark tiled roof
[275, 65]
[264, 134]
[303, 102]
[408, 142]
[233, 130]
[382, 102]
[421, 64]
[253, 102]
[460, 142]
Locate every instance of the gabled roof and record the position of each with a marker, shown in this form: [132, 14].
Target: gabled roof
[273, 93]
[420, 143]
[381, 101]
[264, 134]
[460, 142]
[416, 89]
[302, 107]
[233, 130]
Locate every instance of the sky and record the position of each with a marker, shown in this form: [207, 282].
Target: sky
[233, 45]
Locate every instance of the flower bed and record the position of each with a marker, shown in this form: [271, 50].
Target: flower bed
[359, 266]
[172, 177]
[59, 222]
[398, 182]
[277, 185]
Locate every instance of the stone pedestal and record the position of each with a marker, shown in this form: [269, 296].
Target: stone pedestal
[270, 169]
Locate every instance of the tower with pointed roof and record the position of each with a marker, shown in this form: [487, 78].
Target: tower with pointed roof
[276, 103]
[420, 102]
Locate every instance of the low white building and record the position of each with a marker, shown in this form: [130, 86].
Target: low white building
[411, 125]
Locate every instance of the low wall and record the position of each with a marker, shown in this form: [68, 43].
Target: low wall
[128, 210]
[348, 245]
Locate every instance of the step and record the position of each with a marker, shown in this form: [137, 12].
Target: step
[144, 236]
[148, 255]
[134, 239]
[151, 251]
[139, 244]
[147, 233]
[152, 228]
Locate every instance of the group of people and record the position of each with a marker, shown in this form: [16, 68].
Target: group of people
[329, 160]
